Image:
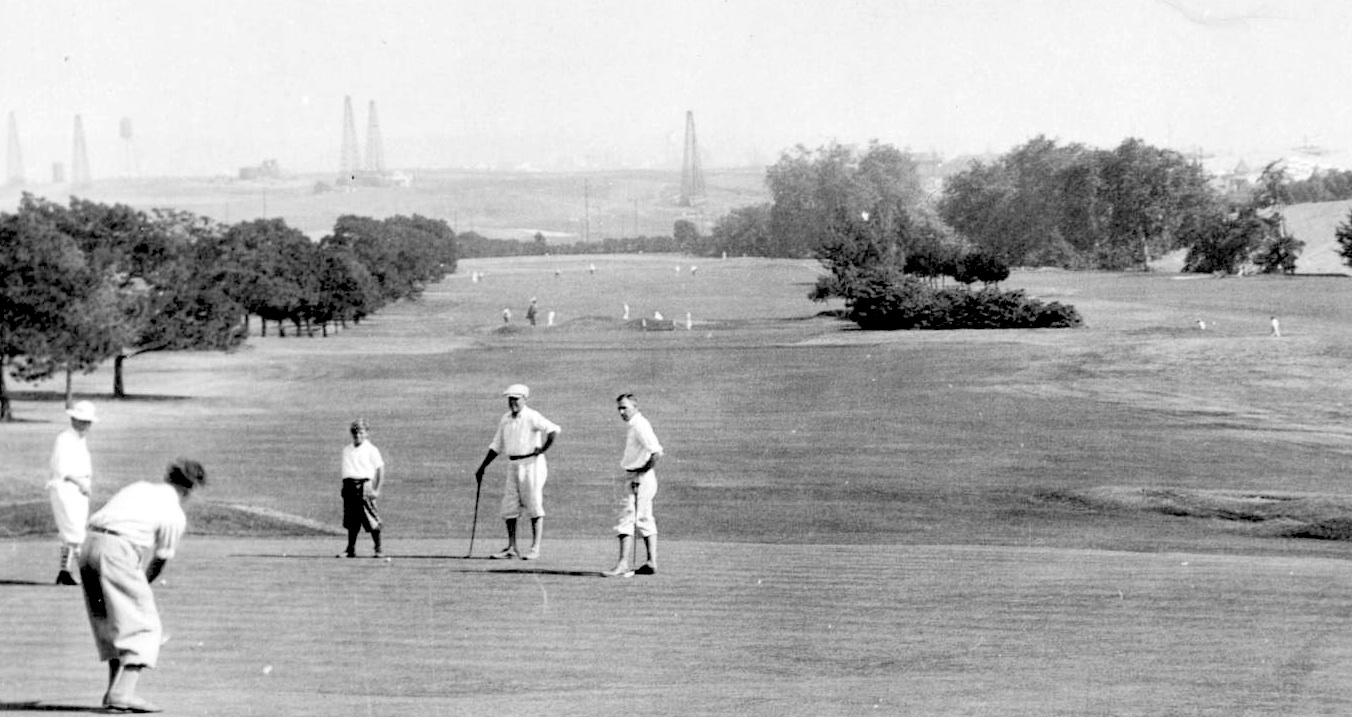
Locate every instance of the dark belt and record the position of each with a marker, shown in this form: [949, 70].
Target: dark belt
[77, 484]
[522, 458]
[357, 480]
[105, 531]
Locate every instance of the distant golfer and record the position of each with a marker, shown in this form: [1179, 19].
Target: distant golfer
[524, 435]
[1276, 327]
[363, 471]
[531, 311]
[142, 522]
[635, 489]
[506, 315]
[69, 487]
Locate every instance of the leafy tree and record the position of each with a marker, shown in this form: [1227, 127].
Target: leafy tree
[274, 265]
[1015, 207]
[119, 252]
[744, 231]
[686, 235]
[1073, 206]
[403, 254]
[1279, 255]
[1223, 244]
[189, 307]
[1153, 193]
[810, 190]
[982, 267]
[1343, 233]
[43, 278]
[346, 289]
[1253, 231]
[931, 262]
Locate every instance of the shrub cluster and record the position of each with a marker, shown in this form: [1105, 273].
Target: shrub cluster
[905, 303]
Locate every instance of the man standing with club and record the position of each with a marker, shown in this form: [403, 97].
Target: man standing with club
[524, 435]
[69, 486]
[635, 489]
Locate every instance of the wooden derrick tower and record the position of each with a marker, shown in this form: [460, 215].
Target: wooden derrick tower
[350, 163]
[375, 148]
[14, 159]
[79, 164]
[692, 174]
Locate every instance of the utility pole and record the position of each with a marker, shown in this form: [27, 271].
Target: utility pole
[635, 218]
[586, 210]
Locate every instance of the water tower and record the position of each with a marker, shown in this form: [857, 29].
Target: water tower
[130, 166]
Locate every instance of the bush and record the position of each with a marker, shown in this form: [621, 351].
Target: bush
[908, 304]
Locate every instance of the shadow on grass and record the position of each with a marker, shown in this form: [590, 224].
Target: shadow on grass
[543, 571]
[26, 583]
[44, 707]
[368, 559]
[359, 558]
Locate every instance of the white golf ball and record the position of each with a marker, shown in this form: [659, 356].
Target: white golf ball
[267, 669]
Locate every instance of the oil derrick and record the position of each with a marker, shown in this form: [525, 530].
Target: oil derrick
[79, 163]
[351, 161]
[130, 165]
[375, 148]
[692, 174]
[14, 159]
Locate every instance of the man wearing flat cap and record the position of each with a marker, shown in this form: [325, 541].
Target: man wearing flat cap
[523, 435]
[69, 485]
[131, 538]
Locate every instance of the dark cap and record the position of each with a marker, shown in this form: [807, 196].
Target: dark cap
[186, 473]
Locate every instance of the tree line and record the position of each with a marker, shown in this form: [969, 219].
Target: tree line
[869, 218]
[473, 245]
[86, 282]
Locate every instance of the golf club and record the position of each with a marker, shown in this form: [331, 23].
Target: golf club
[478, 485]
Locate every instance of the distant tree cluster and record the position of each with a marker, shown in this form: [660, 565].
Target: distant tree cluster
[472, 245]
[1325, 185]
[84, 283]
[1046, 204]
[865, 215]
[1249, 233]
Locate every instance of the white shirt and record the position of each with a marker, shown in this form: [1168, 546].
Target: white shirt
[640, 443]
[147, 515]
[521, 435]
[70, 457]
[361, 461]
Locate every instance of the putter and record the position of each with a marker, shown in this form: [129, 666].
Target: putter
[478, 484]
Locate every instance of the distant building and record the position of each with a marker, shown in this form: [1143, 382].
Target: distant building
[267, 170]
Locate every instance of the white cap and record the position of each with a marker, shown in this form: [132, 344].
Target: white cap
[82, 411]
[517, 389]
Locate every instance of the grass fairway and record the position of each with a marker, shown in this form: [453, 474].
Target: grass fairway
[950, 523]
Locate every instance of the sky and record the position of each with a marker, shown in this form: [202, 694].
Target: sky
[210, 86]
